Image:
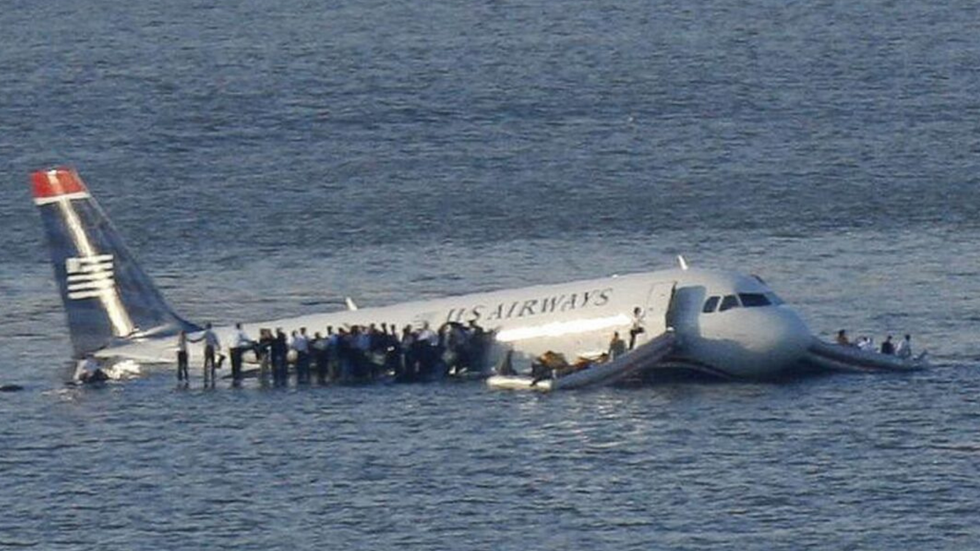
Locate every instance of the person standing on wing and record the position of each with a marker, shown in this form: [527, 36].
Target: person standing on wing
[301, 344]
[279, 348]
[182, 375]
[240, 343]
[211, 344]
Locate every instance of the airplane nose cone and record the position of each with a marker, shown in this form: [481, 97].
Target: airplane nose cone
[750, 342]
[770, 341]
[790, 338]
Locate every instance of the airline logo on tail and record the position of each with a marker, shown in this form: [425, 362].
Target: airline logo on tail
[107, 296]
[58, 185]
[76, 230]
[89, 277]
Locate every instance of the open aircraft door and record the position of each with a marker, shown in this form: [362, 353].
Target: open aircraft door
[685, 311]
[656, 318]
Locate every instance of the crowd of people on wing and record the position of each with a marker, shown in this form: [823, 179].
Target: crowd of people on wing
[349, 354]
[902, 350]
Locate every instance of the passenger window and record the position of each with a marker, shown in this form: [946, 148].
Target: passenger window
[753, 300]
[729, 302]
[710, 305]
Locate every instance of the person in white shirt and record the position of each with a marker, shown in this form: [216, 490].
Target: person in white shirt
[182, 375]
[428, 335]
[866, 343]
[298, 342]
[240, 342]
[318, 352]
[904, 349]
[301, 344]
[211, 344]
[637, 326]
[333, 361]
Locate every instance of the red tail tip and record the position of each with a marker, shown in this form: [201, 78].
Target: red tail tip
[56, 182]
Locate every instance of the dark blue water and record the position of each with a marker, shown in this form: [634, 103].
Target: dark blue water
[269, 159]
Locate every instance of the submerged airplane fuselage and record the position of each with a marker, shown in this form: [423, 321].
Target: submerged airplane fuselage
[725, 322]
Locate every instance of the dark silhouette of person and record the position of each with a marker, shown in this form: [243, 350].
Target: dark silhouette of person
[888, 347]
[279, 348]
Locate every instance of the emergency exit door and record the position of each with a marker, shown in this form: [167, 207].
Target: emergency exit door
[655, 318]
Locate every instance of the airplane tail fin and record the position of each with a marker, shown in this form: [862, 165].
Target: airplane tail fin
[107, 297]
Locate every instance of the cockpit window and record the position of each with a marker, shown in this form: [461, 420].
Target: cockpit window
[753, 300]
[774, 299]
[729, 302]
[710, 305]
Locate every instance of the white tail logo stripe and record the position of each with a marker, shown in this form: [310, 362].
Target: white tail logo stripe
[89, 276]
[103, 284]
[95, 268]
[87, 294]
[94, 276]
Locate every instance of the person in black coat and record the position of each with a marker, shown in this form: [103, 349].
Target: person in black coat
[279, 351]
[888, 347]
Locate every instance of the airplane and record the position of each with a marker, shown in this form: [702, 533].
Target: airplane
[724, 323]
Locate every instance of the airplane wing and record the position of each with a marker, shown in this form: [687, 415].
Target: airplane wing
[835, 357]
[642, 357]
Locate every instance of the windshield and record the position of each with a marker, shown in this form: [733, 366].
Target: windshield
[729, 302]
[754, 300]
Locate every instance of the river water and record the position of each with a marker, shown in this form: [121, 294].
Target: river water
[269, 159]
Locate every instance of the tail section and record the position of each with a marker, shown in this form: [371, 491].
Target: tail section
[108, 298]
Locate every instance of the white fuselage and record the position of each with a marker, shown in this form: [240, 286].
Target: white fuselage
[741, 337]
